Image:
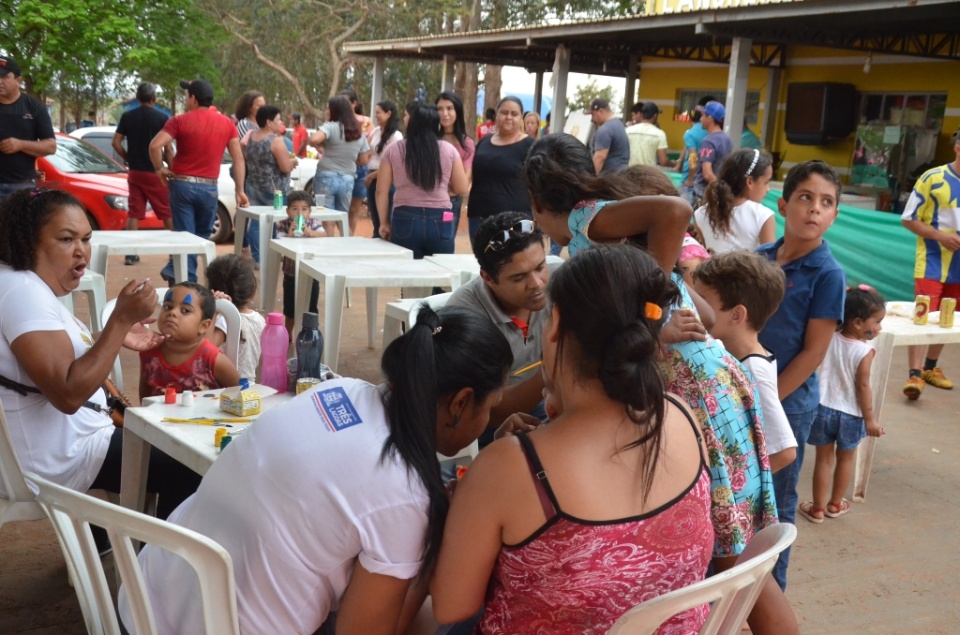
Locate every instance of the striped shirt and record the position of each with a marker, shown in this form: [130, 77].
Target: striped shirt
[935, 201]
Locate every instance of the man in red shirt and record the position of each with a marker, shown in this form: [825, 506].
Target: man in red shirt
[299, 136]
[201, 134]
[489, 124]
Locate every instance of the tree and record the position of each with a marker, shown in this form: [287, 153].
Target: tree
[584, 94]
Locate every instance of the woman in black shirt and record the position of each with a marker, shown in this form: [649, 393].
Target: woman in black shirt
[497, 186]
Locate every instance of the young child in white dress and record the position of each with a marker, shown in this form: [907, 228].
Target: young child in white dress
[846, 413]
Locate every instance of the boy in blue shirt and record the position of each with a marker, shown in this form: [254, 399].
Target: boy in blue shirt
[799, 332]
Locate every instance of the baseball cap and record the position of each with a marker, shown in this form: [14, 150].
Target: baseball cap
[715, 110]
[597, 104]
[9, 65]
[200, 89]
[650, 109]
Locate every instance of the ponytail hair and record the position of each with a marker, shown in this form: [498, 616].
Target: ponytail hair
[611, 300]
[444, 352]
[730, 183]
[559, 173]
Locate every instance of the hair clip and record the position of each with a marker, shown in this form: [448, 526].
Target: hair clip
[753, 164]
[865, 287]
[436, 330]
[653, 311]
[38, 191]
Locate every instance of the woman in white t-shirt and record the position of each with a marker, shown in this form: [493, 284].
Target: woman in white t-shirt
[386, 133]
[732, 217]
[334, 500]
[52, 370]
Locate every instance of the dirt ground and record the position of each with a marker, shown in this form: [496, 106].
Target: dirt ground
[889, 567]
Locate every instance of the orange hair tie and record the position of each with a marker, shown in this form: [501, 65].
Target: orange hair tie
[653, 311]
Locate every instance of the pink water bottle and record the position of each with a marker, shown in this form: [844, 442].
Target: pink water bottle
[274, 342]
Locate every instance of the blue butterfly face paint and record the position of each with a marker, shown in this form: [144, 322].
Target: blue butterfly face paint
[188, 299]
[168, 297]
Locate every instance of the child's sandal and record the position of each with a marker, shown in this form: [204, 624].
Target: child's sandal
[808, 511]
[835, 510]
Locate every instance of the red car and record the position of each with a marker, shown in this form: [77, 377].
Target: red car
[98, 182]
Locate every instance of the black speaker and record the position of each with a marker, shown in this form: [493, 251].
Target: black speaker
[820, 113]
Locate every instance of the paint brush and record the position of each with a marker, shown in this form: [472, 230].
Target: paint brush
[526, 368]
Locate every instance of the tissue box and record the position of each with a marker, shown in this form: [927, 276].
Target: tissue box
[241, 402]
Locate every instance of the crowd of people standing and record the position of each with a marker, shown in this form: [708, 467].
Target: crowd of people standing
[686, 401]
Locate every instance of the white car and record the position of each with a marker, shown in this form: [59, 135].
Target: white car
[300, 179]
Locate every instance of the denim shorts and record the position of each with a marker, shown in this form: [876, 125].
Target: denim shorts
[359, 188]
[831, 426]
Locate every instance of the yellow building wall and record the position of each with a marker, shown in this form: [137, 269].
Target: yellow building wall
[662, 80]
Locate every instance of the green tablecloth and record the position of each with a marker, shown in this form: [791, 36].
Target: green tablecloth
[871, 246]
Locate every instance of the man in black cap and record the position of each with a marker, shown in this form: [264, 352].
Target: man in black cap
[648, 143]
[139, 126]
[611, 149]
[25, 132]
[201, 134]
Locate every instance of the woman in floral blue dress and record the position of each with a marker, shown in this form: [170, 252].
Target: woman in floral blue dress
[642, 206]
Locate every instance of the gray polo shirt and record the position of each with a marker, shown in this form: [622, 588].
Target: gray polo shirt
[476, 295]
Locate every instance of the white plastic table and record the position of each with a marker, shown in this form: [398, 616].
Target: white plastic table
[339, 274]
[93, 284]
[468, 267]
[150, 242]
[331, 247]
[267, 216]
[898, 330]
[190, 444]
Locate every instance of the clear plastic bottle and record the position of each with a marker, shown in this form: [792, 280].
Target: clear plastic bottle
[309, 347]
[274, 342]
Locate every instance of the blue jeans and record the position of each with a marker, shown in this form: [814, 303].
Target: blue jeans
[194, 208]
[251, 238]
[785, 485]
[359, 188]
[338, 185]
[6, 189]
[372, 206]
[422, 229]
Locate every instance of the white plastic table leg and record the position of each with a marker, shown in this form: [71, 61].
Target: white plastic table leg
[878, 383]
[371, 315]
[332, 319]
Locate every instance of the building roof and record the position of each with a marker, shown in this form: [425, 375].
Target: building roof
[924, 28]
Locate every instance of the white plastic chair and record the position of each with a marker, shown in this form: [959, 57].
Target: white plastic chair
[72, 514]
[20, 503]
[733, 592]
[405, 311]
[226, 308]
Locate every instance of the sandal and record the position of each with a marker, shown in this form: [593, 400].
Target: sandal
[807, 510]
[841, 508]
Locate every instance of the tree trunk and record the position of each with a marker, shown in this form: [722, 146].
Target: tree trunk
[467, 82]
[492, 83]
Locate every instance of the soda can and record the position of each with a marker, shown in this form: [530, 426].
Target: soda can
[298, 228]
[277, 199]
[947, 308]
[921, 309]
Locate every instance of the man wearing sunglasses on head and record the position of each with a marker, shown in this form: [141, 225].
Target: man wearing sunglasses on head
[512, 292]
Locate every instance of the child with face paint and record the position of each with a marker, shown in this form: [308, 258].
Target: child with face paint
[186, 360]
[846, 413]
[297, 223]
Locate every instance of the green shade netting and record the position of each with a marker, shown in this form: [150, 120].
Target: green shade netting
[871, 246]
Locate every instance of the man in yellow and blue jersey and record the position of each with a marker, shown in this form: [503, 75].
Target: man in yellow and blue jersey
[933, 214]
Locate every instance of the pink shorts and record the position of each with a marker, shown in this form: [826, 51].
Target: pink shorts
[936, 290]
[146, 186]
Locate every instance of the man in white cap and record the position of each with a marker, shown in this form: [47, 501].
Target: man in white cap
[25, 132]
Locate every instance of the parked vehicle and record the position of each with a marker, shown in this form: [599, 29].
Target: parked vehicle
[301, 178]
[98, 182]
